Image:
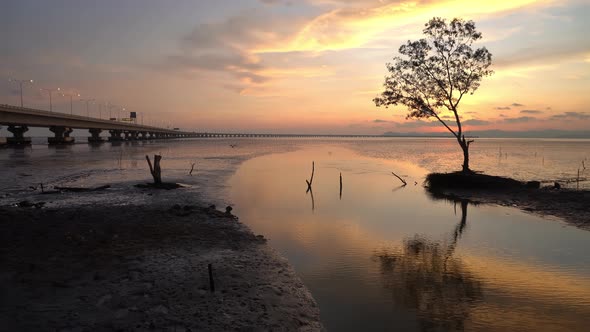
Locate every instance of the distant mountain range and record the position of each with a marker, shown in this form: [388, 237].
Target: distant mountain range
[548, 133]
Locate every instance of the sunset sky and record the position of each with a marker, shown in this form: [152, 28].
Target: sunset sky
[309, 66]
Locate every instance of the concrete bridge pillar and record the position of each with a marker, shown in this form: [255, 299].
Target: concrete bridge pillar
[143, 135]
[18, 137]
[115, 135]
[2, 140]
[95, 138]
[130, 135]
[62, 135]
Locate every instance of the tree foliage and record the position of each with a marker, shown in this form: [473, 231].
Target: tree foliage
[432, 74]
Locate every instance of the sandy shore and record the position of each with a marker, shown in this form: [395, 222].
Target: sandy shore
[136, 268]
[571, 206]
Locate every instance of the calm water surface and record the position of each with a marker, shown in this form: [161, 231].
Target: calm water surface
[379, 257]
[385, 257]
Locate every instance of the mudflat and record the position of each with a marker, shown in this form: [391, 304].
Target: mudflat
[136, 268]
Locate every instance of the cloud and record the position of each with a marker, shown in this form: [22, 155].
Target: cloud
[381, 121]
[504, 108]
[521, 119]
[571, 115]
[225, 46]
[361, 22]
[246, 45]
[531, 112]
[543, 55]
[476, 122]
[418, 124]
[517, 105]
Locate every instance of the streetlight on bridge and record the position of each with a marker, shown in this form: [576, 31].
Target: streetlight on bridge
[110, 107]
[71, 95]
[50, 91]
[87, 101]
[20, 84]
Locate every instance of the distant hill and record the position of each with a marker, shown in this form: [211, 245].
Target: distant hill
[549, 133]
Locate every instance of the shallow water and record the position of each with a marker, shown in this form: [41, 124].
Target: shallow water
[385, 257]
[379, 257]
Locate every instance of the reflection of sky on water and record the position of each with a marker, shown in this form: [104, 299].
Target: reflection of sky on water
[358, 255]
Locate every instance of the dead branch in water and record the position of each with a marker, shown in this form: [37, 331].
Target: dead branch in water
[312, 199]
[402, 180]
[156, 171]
[340, 185]
[192, 168]
[310, 182]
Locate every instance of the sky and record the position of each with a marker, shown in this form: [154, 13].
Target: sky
[286, 66]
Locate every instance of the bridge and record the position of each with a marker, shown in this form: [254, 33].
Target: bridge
[19, 119]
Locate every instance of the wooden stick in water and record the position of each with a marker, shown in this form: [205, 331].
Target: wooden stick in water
[311, 180]
[192, 168]
[340, 185]
[402, 180]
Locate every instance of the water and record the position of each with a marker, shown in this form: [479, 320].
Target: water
[385, 257]
[379, 257]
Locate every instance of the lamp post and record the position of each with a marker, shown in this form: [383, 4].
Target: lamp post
[87, 101]
[20, 84]
[50, 92]
[100, 105]
[71, 95]
[110, 107]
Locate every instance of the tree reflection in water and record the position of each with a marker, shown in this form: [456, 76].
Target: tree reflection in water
[424, 276]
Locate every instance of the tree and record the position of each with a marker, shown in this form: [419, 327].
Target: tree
[434, 73]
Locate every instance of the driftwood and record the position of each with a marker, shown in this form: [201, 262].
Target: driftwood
[310, 182]
[79, 190]
[402, 180]
[163, 185]
[156, 171]
[192, 168]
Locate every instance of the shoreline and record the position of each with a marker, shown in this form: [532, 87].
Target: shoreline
[142, 267]
[570, 206]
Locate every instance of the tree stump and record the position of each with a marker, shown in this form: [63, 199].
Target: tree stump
[156, 171]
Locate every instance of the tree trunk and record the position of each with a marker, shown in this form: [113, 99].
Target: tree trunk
[156, 171]
[465, 148]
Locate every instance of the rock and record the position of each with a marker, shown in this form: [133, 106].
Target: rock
[556, 185]
[533, 184]
[212, 207]
[228, 209]
[26, 204]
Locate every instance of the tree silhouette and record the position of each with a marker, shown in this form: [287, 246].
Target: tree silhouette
[424, 276]
[434, 73]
